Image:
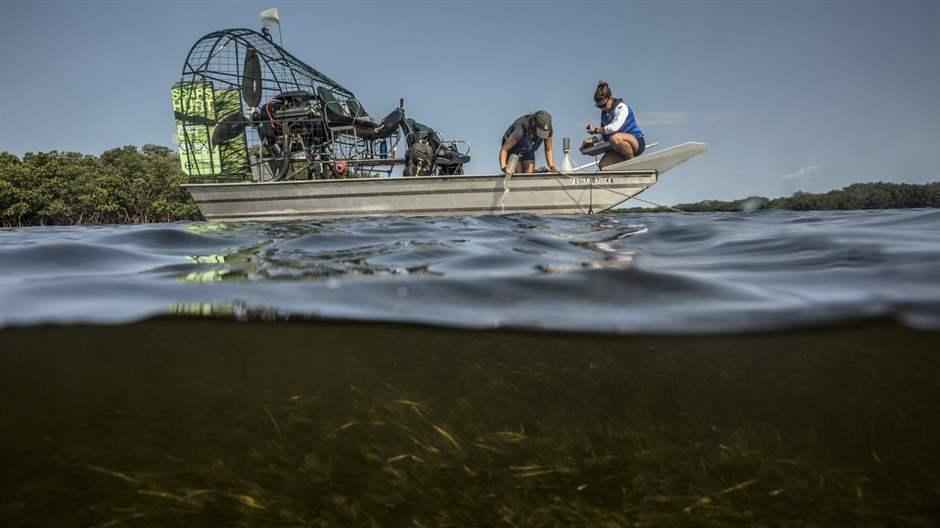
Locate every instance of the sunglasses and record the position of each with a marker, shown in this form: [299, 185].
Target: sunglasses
[601, 104]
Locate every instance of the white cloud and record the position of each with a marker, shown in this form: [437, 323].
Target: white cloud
[804, 174]
[807, 179]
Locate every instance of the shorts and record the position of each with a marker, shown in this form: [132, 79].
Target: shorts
[642, 144]
[525, 156]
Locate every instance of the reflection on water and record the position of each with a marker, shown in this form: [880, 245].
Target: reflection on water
[206, 309]
[182, 422]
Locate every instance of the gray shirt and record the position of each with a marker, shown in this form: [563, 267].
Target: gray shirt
[525, 141]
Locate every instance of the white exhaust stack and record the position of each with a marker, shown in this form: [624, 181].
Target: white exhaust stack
[511, 165]
[566, 165]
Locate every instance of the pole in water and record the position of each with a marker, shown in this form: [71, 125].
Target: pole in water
[511, 164]
[510, 170]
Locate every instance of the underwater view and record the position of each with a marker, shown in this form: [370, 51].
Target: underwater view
[435, 265]
[773, 368]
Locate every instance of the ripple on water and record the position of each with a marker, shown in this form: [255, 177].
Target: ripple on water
[612, 273]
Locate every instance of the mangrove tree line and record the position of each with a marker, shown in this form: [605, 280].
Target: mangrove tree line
[879, 195]
[122, 185]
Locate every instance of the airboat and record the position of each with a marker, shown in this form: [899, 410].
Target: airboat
[264, 136]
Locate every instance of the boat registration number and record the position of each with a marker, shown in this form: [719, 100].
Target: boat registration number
[594, 180]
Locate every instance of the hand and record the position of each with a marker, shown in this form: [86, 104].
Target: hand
[503, 168]
[553, 168]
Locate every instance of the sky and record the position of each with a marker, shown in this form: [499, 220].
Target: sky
[789, 95]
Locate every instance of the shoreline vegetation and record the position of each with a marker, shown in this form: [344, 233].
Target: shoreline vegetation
[878, 195]
[128, 185]
[124, 185]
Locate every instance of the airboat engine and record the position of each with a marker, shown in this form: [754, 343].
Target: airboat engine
[295, 111]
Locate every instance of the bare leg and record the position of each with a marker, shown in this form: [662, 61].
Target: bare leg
[624, 144]
[609, 158]
[526, 167]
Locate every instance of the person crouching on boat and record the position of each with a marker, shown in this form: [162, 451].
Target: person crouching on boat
[524, 136]
[618, 126]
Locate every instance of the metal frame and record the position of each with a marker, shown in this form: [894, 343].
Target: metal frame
[300, 140]
[216, 60]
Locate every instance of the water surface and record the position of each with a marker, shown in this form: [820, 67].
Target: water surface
[665, 273]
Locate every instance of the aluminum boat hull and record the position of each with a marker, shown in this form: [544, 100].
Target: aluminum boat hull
[541, 193]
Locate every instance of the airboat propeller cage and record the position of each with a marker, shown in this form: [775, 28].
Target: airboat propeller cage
[247, 109]
[227, 72]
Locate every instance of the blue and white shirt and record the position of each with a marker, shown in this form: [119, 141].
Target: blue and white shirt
[620, 119]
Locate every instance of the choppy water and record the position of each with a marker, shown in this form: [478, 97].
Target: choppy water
[768, 369]
[666, 273]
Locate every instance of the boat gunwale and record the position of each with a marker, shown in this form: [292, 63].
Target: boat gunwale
[386, 193]
[412, 179]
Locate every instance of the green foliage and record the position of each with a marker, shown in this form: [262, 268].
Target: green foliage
[879, 195]
[123, 185]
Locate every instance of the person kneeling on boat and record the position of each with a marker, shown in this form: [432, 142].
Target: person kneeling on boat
[618, 126]
[524, 136]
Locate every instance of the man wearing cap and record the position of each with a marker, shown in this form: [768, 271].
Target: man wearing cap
[524, 137]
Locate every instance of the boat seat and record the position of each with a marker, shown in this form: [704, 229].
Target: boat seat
[385, 128]
[359, 113]
[344, 113]
[350, 115]
[448, 161]
[415, 131]
[449, 155]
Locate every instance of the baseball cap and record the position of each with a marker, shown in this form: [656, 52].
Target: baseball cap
[543, 124]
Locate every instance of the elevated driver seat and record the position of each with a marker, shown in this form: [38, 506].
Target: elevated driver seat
[350, 113]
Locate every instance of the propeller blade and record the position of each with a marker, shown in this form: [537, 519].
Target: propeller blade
[193, 119]
[230, 126]
[251, 79]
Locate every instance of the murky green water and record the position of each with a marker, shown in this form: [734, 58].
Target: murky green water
[183, 422]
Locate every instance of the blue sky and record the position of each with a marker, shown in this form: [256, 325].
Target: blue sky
[789, 95]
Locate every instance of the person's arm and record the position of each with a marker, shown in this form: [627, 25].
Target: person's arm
[504, 152]
[621, 113]
[549, 155]
[591, 129]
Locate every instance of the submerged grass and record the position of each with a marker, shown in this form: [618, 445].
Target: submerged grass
[182, 422]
